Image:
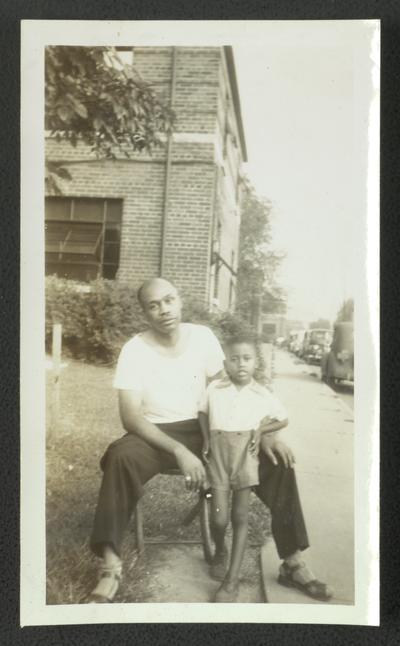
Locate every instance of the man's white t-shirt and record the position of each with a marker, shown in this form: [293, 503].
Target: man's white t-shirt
[171, 388]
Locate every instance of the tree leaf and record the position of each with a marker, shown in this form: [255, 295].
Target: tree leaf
[81, 109]
[64, 113]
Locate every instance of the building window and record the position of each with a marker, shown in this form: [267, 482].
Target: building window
[126, 55]
[82, 237]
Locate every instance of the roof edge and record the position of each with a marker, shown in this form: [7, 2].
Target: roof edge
[230, 62]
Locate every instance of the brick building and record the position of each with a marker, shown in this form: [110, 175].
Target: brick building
[175, 213]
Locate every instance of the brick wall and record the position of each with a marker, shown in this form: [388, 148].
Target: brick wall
[187, 241]
[195, 201]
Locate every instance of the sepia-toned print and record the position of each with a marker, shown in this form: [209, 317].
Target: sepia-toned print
[203, 226]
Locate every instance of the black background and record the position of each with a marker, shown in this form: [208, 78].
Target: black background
[11, 12]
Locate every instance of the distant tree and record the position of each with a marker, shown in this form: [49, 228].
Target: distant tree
[320, 323]
[93, 97]
[346, 312]
[258, 263]
[274, 300]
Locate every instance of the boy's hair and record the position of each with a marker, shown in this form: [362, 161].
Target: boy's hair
[254, 340]
[243, 337]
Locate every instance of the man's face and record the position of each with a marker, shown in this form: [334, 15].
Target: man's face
[162, 307]
[240, 362]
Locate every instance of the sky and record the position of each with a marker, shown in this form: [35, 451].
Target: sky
[304, 92]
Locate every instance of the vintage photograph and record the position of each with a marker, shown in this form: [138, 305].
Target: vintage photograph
[207, 320]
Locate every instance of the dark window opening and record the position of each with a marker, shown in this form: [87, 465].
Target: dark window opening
[82, 237]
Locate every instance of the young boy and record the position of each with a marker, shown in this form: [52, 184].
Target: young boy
[230, 418]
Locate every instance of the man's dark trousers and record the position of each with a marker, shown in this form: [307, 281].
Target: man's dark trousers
[130, 462]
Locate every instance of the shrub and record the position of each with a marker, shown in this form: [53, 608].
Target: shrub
[98, 317]
[225, 325]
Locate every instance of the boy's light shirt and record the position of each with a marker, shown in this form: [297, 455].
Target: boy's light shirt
[233, 409]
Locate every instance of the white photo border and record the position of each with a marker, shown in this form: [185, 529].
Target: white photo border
[35, 36]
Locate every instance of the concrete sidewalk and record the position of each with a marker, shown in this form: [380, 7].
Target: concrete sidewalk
[178, 573]
[320, 433]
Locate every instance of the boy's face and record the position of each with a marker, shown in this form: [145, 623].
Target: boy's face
[240, 362]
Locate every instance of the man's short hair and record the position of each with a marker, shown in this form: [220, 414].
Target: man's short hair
[148, 282]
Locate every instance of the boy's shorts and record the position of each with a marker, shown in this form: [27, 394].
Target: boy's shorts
[231, 465]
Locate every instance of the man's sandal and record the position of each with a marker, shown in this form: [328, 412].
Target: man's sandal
[107, 586]
[313, 588]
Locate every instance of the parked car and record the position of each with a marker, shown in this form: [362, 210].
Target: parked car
[292, 340]
[338, 363]
[316, 343]
[296, 341]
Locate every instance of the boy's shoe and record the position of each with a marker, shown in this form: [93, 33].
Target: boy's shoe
[108, 584]
[219, 566]
[298, 576]
[228, 592]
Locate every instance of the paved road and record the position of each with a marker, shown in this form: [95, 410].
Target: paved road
[321, 434]
[345, 392]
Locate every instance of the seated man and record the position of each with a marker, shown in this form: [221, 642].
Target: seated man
[160, 377]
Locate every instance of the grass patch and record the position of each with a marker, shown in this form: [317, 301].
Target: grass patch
[88, 422]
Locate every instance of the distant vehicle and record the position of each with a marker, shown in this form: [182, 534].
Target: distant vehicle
[291, 340]
[338, 363]
[296, 341]
[316, 342]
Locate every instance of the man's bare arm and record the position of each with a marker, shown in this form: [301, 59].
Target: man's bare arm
[268, 425]
[205, 430]
[218, 375]
[133, 421]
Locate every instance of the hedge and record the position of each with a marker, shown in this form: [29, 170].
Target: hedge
[98, 317]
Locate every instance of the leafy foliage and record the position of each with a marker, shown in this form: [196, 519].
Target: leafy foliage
[54, 171]
[92, 96]
[258, 263]
[224, 325]
[98, 318]
[346, 312]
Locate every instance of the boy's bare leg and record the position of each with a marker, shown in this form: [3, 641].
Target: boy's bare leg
[240, 515]
[240, 511]
[219, 518]
[219, 523]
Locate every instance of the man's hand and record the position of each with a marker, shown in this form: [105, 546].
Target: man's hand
[191, 467]
[273, 447]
